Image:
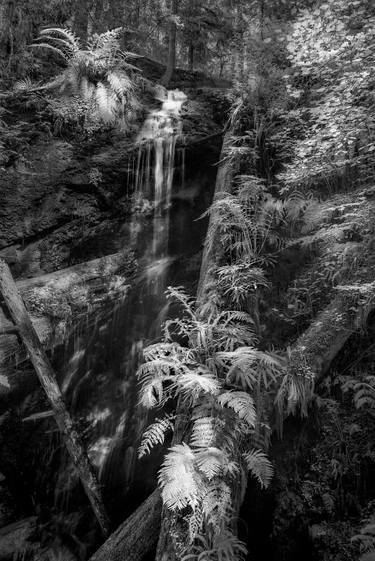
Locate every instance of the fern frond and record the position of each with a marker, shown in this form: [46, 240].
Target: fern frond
[23, 85]
[259, 466]
[68, 50]
[296, 389]
[152, 375]
[51, 48]
[155, 434]
[167, 351]
[161, 367]
[227, 547]
[118, 85]
[248, 366]
[211, 461]
[86, 88]
[178, 479]
[194, 383]
[151, 394]
[364, 392]
[179, 295]
[204, 432]
[4, 381]
[216, 505]
[105, 102]
[65, 33]
[242, 403]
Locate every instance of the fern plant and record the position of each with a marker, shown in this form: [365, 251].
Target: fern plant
[100, 73]
[203, 362]
[366, 536]
[363, 391]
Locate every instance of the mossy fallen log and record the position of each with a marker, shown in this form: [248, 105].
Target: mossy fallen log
[326, 336]
[136, 536]
[16, 539]
[57, 300]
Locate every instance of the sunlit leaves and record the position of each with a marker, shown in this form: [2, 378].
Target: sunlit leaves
[332, 46]
[178, 478]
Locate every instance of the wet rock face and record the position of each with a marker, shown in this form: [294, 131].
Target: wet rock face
[38, 213]
[64, 185]
[29, 193]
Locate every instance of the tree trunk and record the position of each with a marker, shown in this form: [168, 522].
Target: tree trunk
[191, 56]
[171, 47]
[239, 46]
[223, 185]
[136, 536]
[6, 29]
[81, 19]
[48, 381]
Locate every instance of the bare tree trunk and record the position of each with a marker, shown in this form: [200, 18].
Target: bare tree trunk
[239, 47]
[47, 378]
[191, 56]
[81, 19]
[172, 47]
[6, 30]
[223, 185]
[136, 536]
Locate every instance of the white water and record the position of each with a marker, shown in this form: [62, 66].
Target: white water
[157, 144]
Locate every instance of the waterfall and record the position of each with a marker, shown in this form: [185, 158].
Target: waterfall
[157, 143]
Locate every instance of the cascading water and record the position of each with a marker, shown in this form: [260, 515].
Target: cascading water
[102, 364]
[157, 142]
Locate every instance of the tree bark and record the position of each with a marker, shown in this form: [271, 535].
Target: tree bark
[48, 381]
[81, 19]
[136, 536]
[239, 45]
[191, 56]
[223, 185]
[55, 301]
[171, 47]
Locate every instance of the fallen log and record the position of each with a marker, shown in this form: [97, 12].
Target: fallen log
[16, 539]
[55, 301]
[136, 536]
[328, 333]
[47, 378]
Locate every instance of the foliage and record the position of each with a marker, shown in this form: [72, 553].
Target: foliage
[155, 434]
[363, 391]
[100, 73]
[331, 52]
[207, 371]
[366, 536]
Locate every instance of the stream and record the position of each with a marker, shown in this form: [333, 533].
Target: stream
[170, 187]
